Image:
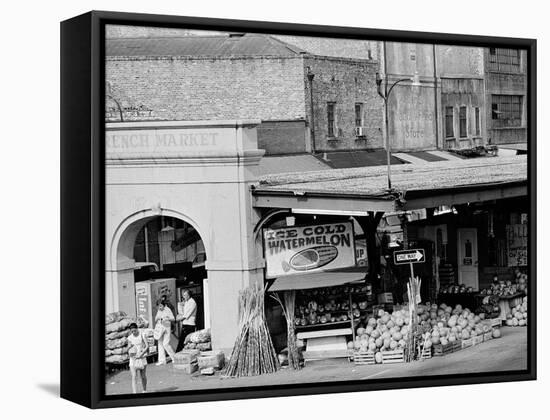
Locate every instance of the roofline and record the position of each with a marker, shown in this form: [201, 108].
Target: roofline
[410, 194]
[388, 201]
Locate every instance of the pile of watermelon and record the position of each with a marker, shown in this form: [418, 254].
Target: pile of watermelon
[444, 324]
[383, 331]
[518, 317]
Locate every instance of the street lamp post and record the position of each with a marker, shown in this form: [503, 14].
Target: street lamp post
[385, 95]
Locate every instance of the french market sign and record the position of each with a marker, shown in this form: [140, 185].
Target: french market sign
[315, 248]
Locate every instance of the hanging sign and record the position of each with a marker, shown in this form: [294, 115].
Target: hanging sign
[361, 252]
[315, 248]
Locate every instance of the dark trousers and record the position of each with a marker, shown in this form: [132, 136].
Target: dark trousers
[185, 330]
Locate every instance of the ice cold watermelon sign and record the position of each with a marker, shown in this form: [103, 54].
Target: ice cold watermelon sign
[295, 250]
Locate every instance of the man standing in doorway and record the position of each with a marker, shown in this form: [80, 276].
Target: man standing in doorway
[187, 312]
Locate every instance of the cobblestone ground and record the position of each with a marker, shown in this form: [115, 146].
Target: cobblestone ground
[506, 353]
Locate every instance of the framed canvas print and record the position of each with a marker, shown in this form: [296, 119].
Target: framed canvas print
[255, 209]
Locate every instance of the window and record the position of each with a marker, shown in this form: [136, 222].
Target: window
[478, 122]
[504, 59]
[449, 122]
[462, 122]
[358, 114]
[331, 127]
[507, 110]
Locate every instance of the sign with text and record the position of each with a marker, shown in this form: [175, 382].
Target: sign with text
[409, 256]
[159, 142]
[315, 248]
[361, 254]
[516, 245]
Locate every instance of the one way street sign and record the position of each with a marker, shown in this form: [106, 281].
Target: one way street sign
[409, 256]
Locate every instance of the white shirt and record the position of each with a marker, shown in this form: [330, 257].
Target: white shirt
[188, 309]
[164, 315]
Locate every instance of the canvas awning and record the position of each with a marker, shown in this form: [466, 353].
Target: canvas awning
[319, 279]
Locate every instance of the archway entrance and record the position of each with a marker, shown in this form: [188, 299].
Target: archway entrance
[164, 255]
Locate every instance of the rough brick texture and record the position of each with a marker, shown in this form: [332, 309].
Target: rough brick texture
[210, 89]
[345, 82]
[334, 47]
[282, 137]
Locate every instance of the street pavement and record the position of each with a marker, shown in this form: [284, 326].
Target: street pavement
[503, 354]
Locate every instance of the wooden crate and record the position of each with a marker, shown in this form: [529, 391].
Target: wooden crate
[393, 356]
[441, 350]
[493, 322]
[426, 353]
[488, 336]
[467, 343]
[187, 368]
[186, 356]
[364, 358]
[478, 339]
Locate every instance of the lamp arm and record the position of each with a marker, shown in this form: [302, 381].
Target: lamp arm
[395, 84]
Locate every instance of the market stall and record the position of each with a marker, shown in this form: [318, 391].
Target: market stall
[328, 307]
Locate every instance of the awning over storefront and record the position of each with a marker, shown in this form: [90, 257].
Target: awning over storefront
[316, 280]
[413, 186]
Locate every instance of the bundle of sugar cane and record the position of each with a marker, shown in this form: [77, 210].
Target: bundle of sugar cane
[288, 310]
[413, 290]
[253, 353]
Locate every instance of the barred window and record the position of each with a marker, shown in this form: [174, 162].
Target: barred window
[504, 59]
[358, 114]
[331, 127]
[462, 120]
[449, 122]
[507, 110]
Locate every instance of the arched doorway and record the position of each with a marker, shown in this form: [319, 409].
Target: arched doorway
[153, 256]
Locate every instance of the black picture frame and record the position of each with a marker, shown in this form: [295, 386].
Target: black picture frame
[83, 207]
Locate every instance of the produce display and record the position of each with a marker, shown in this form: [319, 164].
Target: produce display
[489, 306]
[507, 288]
[518, 317]
[200, 340]
[384, 331]
[444, 324]
[456, 289]
[328, 305]
[116, 333]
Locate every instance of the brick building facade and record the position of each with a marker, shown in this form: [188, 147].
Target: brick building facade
[345, 99]
[247, 76]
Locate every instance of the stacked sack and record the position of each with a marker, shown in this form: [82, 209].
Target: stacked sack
[116, 332]
[200, 340]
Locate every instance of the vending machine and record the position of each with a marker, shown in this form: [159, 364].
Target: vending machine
[149, 292]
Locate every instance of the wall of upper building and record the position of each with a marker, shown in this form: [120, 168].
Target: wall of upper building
[347, 111]
[506, 113]
[446, 108]
[467, 95]
[174, 87]
[334, 47]
[129, 31]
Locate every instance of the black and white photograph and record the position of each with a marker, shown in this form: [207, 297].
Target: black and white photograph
[284, 209]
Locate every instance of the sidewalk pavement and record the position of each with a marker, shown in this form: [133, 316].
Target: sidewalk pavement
[504, 354]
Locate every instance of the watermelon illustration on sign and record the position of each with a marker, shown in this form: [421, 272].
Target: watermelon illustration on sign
[311, 258]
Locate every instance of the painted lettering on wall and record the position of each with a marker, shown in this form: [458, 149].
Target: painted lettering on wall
[124, 141]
